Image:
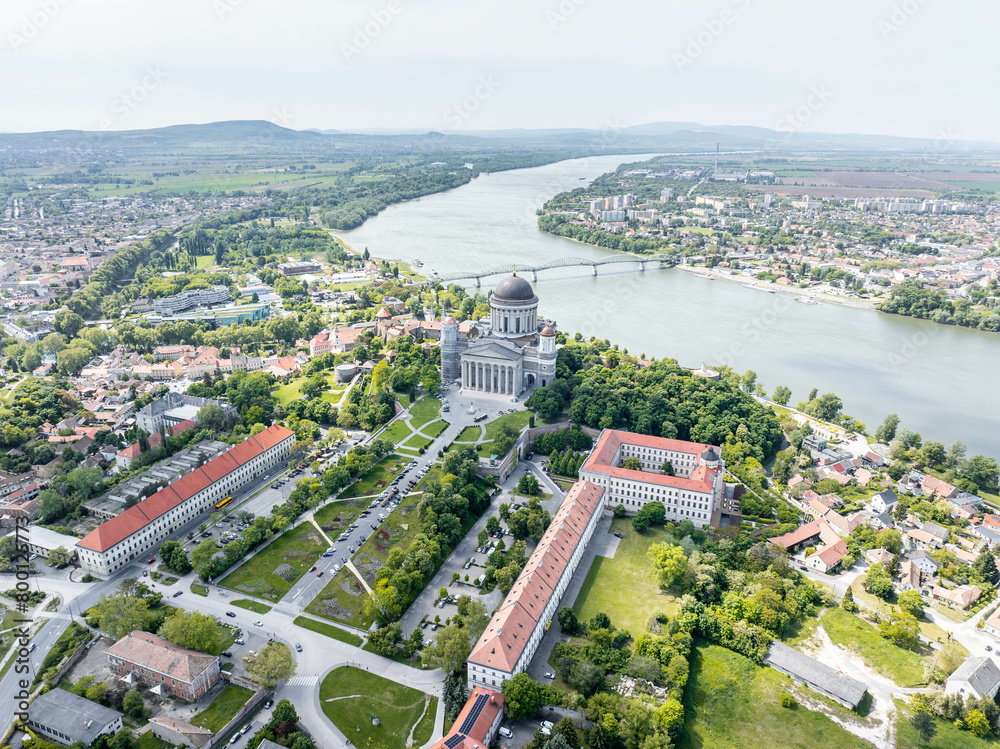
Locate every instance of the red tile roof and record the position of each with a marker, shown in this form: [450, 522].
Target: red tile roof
[160, 655]
[476, 735]
[601, 457]
[135, 518]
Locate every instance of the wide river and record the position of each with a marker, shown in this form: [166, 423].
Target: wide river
[941, 380]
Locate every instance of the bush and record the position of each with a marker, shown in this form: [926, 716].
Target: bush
[788, 701]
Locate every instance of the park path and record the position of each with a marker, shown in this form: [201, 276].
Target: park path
[357, 574]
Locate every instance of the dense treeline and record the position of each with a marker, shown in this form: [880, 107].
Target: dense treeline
[662, 399]
[912, 299]
[557, 224]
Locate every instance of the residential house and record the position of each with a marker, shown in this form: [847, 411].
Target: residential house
[977, 677]
[938, 488]
[939, 532]
[924, 562]
[844, 525]
[961, 597]
[920, 539]
[879, 556]
[165, 667]
[178, 733]
[909, 576]
[884, 501]
[992, 624]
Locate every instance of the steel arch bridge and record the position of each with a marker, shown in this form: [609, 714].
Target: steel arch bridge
[642, 260]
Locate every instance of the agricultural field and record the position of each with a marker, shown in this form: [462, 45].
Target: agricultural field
[272, 571]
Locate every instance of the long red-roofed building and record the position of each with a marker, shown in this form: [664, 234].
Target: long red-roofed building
[511, 638]
[695, 493]
[477, 725]
[134, 532]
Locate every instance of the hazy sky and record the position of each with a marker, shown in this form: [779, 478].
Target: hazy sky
[923, 68]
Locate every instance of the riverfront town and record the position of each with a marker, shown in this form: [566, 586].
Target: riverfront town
[262, 488]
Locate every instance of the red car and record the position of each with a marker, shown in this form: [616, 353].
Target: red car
[319, 574]
[150, 560]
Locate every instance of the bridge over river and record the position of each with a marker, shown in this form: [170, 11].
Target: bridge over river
[658, 261]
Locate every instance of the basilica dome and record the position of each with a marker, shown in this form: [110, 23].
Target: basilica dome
[514, 289]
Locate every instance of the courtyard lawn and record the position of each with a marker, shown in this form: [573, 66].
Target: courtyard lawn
[397, 432]
[272, 571]
[517, 419]
[470, 435]
[733, 704]
[418, 442]
[377, 479]
[343, 599]
[255, 606]
[223, 708]
[435, 429]
[350, 696]
[328, 629]
[855, 634]
[625, 588]
[424, 410]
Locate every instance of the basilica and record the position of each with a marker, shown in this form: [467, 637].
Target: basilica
[512, 354]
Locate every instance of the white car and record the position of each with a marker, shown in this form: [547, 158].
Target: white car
[506, 732]
[258, 623]
[547, 724]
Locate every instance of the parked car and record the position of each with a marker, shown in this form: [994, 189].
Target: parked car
[258, 623]
[506, 732]
[231, 614]
[319, 574]
[177, 593]
[150, 560]
[618, 535]
[298, 647]
[549, 675]
[268, 704]
[235, 738]
[227, 654]
[245, 728]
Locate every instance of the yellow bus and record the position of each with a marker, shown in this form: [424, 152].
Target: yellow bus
[223, 503]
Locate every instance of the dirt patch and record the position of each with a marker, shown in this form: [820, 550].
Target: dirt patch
[313, 537]
[285, 571]
[353, 587]
[368, 567]
[333, 609]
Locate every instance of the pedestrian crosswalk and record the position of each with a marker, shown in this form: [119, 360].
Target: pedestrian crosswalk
[303, 681]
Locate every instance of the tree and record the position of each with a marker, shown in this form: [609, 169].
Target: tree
[174, 557]
[568, 621]
[901, 629]
[911, 602]
[58, 557]
[192, 629]
[877, 582]
[118, 615]
[976, 722]
[132, 704]
[272, 664]
[523, 697]
[201, 557]
[97, 692]
[68, 323]
[955, 454]
[669, 561]
[528, 485]
[451, 650]
[981, 471]
[923, 724]
[632, 463]
[284, 712]
[932, 454]
[985, 567]
[211, 416]
[782, 395]
[848, 604]
[887, 431]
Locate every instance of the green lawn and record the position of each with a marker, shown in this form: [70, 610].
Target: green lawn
[336, 516]
[397, 432]
[733, 704]
[199, 590]
[517, 419]
[254, 606]
[424, 410]
[855, 634]
[418, 441]
[377, 479]
[350, 696]
[343, 599]
[272, 571]
[470, 434]
[328, 629]
[149, 741]
[425, 728]
[292, 391]
[435, 429]
[625, 588]
[223, 708]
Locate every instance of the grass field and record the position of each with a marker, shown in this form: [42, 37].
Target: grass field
[435, 429]
[470, 434]
[328, 629]
[271, 572]
[254, 606]
[343, 599]
[517, 419]
[377, 478]
[625, 588]
[733, 704]
[223, 708]
[336, 516]
[397, 432]
[424, 410]
[149, 741]
[855, 634]
[947, 736]
[199, 590]
[350, 696]
[417, 442]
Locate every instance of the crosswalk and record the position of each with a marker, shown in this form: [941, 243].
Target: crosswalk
[303, 681]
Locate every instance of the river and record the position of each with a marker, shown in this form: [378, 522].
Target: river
[937, 378]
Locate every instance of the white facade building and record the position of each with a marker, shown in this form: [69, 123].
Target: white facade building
[193, 298]
[134, 532]
[695, 493]
[511, 638]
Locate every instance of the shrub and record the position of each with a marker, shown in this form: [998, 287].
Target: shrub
[788, 701]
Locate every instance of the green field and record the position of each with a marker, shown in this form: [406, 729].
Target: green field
[199, 590]
[855, 634]
[397, 432]
[424, 410]
[418, 442]
[223, 708]
[398, 530]
[149, 741]
[733, 704]
[350, 696]
[272, 571]
[470, 434]
[377, 479]
[254, 606]
[335, 516]
[625, 588]
[435, 429]
[948, 736]
[328, 629]
[343, 599]
[517, 419]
